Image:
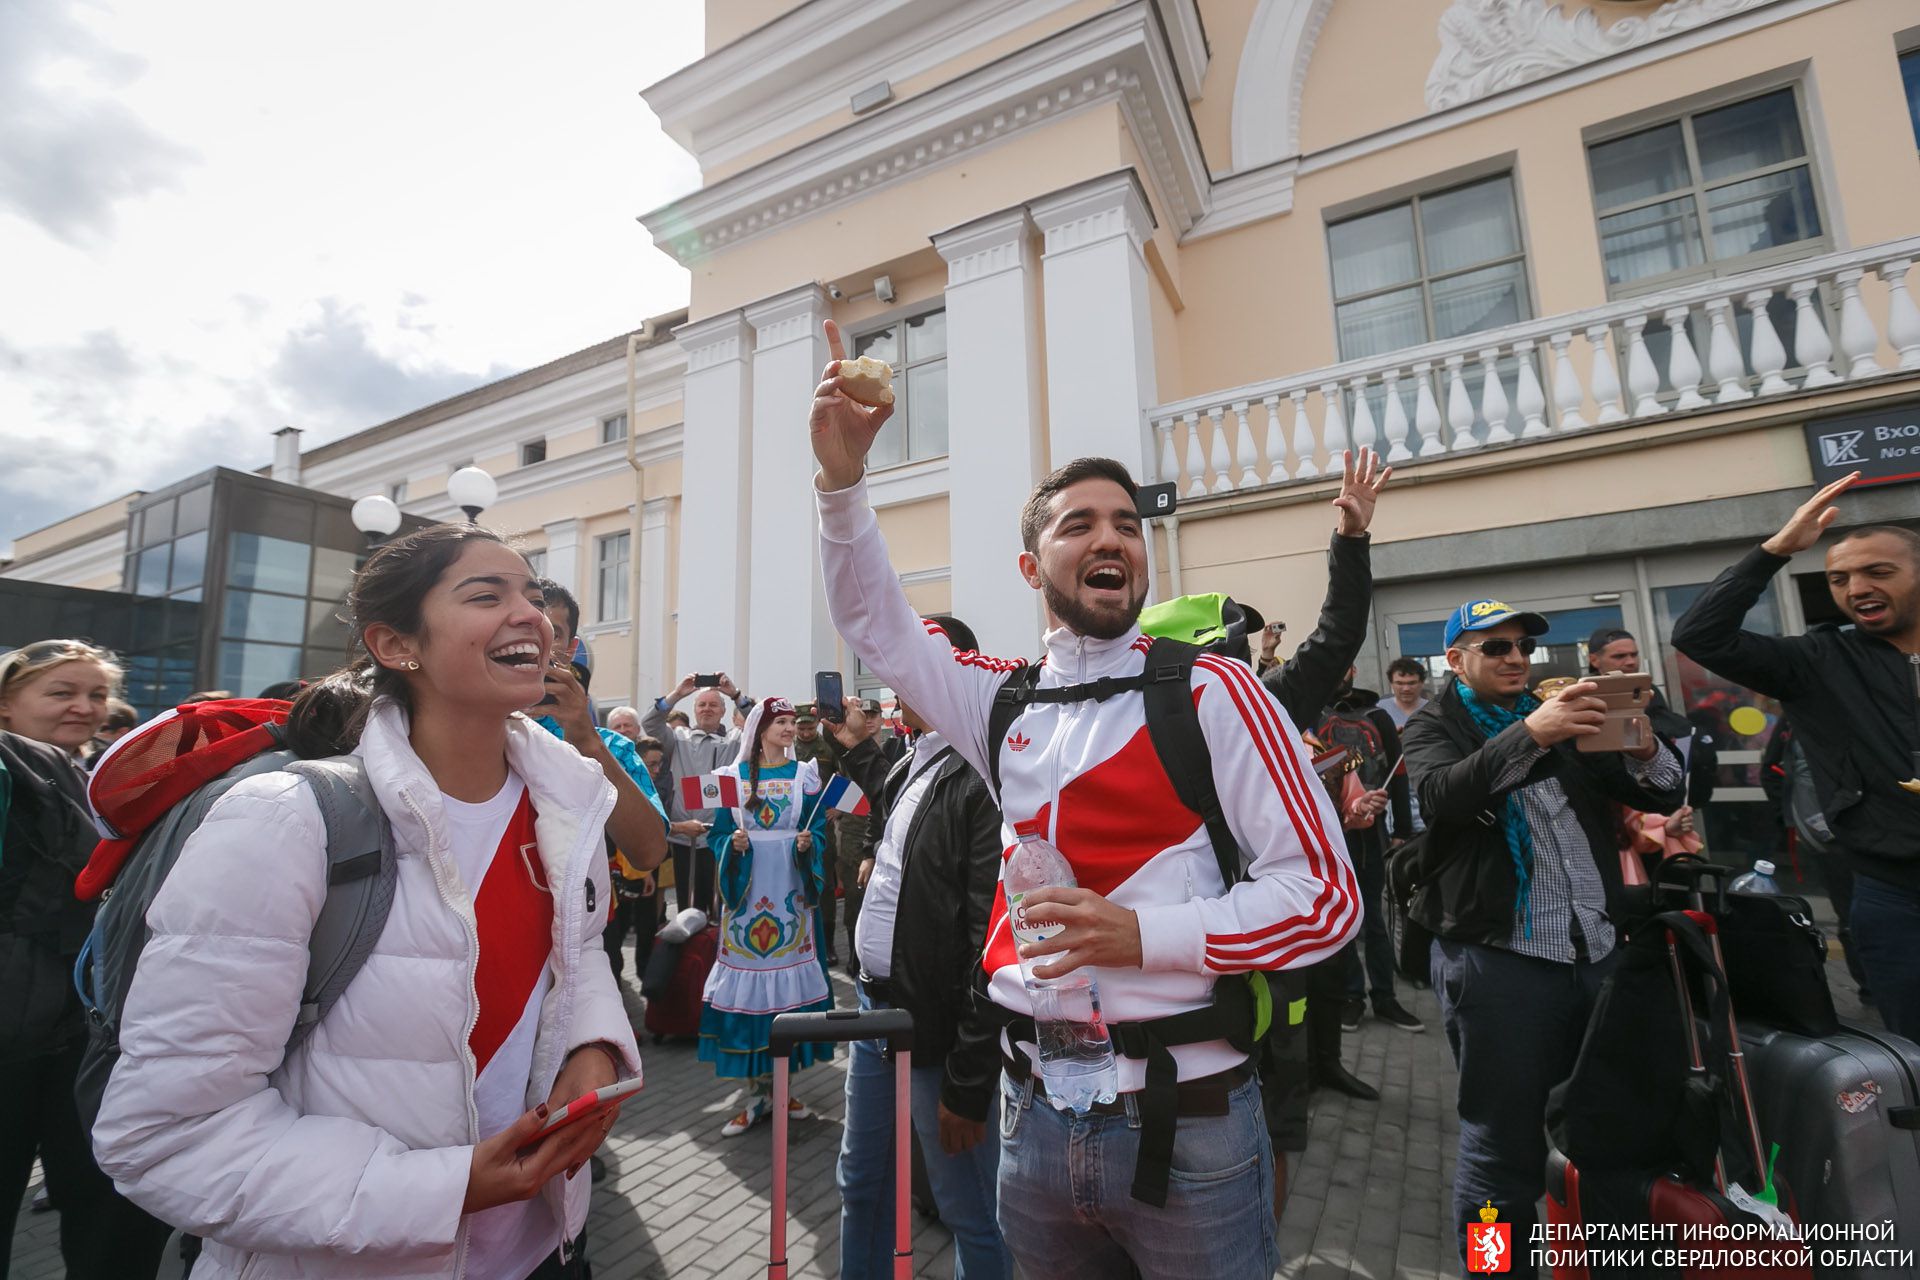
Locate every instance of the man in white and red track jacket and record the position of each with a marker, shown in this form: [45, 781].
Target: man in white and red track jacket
[1151, 915]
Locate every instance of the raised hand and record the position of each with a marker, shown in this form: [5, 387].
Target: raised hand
[1805, 526]
[842, 428]
[1574, 712]
[1360, 482]
[852, 728]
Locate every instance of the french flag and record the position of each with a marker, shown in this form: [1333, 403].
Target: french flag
[710, 791]
[841, 794]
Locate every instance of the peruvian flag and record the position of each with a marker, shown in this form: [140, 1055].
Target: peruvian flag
[710, 791]
[841, 794]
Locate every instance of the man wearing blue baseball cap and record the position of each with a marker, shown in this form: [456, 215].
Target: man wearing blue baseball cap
[1516, 878]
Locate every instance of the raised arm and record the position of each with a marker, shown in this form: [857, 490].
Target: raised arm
[952, 690]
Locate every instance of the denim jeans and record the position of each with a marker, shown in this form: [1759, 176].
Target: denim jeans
[963, 1185]
[1515, 1024]
[1373, 945]
[1066, 1203]
[1886, 932]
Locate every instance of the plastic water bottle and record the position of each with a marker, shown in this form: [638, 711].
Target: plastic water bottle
[1076, 1053]
[1758, 880]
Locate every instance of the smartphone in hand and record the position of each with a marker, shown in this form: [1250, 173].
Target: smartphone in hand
[829, 696]
[707, 681]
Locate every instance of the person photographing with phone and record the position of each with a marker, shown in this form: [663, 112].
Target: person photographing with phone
[702, 747]
[1516, 879]
[401, 1138]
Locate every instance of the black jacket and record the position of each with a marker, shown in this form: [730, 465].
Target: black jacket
[1466, 886]
[1305, 682]
[49, 836]
[1703, 758]
[1855, 704]
[949, 873]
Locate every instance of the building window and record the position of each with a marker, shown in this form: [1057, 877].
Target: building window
[537, 561]
[613, 428]
[397, 491]
[533, 451]
[1430, 268]
[916, 347]
[613, 565]
[1910, 79]
[1712, 192]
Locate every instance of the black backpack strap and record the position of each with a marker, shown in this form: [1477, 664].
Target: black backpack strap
[1173, 725]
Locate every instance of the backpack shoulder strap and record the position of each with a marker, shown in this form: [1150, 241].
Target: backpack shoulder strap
[362, 869]
[1173, 726]
[1009, 702]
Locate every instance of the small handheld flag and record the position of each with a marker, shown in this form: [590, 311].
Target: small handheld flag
[841, 794]
[710, 791]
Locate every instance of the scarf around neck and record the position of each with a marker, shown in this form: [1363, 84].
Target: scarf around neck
[1491, 718]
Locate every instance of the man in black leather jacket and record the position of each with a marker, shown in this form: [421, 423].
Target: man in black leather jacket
[930, 865]
[1519, 881]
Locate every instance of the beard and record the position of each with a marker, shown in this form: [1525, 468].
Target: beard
[1106, 623]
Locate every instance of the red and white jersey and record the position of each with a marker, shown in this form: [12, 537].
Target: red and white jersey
[1089, 770]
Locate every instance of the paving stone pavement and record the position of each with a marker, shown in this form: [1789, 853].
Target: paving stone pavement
[1370, 1195]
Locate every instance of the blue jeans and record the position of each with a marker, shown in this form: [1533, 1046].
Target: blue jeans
[1515, 1024]
[1066, 1203]
[963, 1185]
[1886, 932]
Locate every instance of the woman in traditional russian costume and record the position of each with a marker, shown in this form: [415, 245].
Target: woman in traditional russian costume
[771, 870]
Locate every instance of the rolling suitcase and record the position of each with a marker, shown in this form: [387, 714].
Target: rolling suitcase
[1652, 1149]
[1844, 1111]
[675, 1012]
[895, 1026]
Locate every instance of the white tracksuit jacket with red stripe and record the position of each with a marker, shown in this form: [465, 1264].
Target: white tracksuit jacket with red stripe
[1089, 769]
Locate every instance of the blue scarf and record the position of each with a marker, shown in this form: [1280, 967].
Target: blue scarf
[1491, 719]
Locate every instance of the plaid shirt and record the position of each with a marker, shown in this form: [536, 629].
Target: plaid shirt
[1569, 901]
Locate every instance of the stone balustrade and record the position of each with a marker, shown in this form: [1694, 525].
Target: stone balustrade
[1781, 331]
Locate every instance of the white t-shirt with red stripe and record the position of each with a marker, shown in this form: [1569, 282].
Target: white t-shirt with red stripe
[1090, 772]
[493, 849]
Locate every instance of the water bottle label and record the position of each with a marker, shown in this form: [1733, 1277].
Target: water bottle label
[1023, 931]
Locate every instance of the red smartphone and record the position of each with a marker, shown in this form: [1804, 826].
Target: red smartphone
[585, 1107]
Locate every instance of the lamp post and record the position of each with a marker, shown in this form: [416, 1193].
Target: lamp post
[473, 491]
[377, 517]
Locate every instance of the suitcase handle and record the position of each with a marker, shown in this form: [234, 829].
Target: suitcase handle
[895, 1026]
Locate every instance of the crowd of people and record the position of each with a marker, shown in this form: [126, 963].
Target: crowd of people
[403, 1134]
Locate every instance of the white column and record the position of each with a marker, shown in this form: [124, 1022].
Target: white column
[563, 554]
[651, 612]
[1099, 324]
[789, 636]
[994, 442]
[716, 476]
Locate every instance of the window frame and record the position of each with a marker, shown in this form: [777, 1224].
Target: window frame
[1901, 55]
[607, 434]
[623, 563]
[900, 318]
[397, 492]
[528, 450]
[1424, 280]
[1710, 266]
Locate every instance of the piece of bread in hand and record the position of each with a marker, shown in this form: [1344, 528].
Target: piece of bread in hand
[867, 380]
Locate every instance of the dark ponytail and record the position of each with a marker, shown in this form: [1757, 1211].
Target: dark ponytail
[329, 715]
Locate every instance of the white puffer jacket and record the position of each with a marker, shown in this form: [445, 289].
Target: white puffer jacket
[349, 1158]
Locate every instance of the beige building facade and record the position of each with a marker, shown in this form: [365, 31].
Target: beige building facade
[1597, 276]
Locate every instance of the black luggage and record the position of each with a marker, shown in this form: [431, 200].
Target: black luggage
[1844, 1111]
[895, 1026]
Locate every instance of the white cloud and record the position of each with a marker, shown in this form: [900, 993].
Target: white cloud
[220, 217]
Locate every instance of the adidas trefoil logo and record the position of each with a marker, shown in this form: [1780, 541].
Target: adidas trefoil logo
[1019, 742]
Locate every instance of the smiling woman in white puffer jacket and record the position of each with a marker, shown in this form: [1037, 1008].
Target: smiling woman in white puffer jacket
[390, 1142]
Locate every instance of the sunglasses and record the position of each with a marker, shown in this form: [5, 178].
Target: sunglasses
[38, 652]
[1501, 648]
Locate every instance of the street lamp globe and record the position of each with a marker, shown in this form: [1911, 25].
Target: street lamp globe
[376, 516]
[472, 490]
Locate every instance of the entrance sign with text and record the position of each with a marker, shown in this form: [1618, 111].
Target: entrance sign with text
[1882, 444]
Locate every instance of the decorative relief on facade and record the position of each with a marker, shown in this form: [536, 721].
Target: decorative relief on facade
[1487, 46]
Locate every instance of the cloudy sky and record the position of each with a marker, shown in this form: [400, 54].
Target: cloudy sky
[220, 217]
